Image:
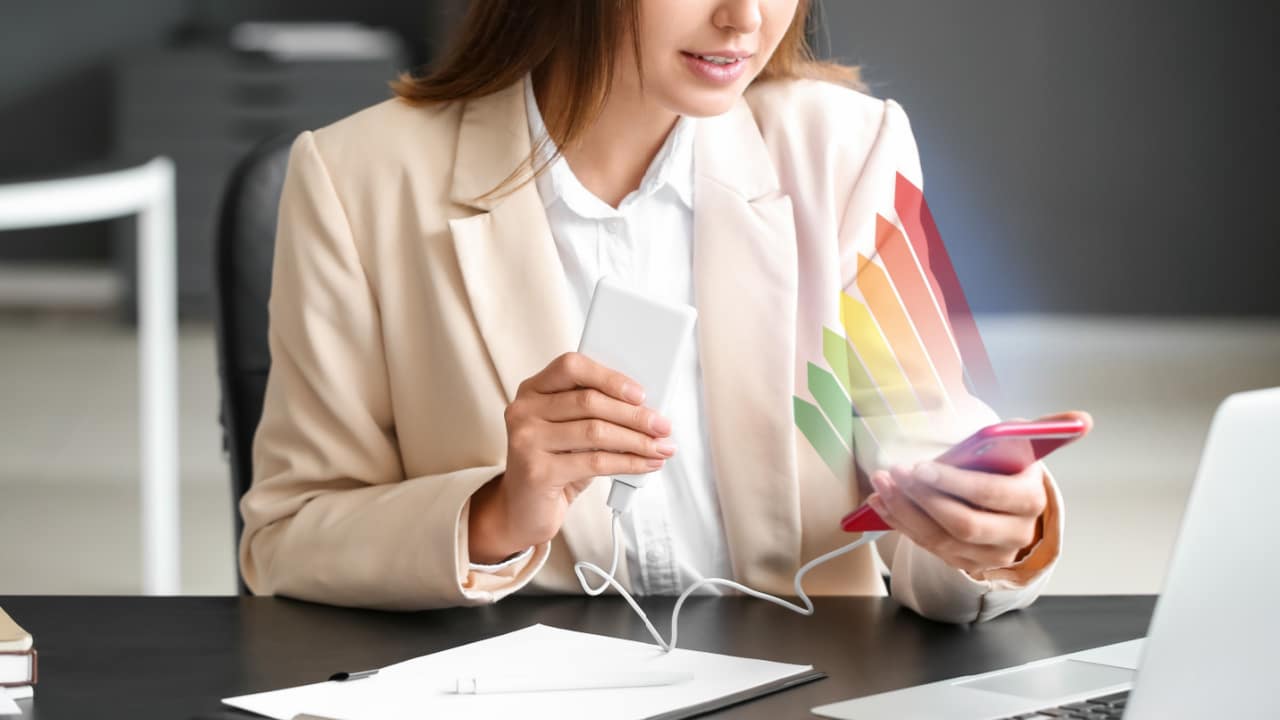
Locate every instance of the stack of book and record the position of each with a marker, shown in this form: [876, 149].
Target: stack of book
[17, 660]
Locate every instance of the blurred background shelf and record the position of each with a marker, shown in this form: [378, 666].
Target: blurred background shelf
[206, 108]
[83, 84]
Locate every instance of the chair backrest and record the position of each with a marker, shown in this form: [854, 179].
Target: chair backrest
[244, 248]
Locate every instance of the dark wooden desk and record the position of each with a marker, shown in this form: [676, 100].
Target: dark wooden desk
[133, 657]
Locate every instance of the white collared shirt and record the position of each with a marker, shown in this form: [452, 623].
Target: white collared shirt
[673, 532]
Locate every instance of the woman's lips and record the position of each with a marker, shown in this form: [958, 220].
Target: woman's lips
[720, 74]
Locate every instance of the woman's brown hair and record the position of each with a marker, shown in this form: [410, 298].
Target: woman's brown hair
[499, 41]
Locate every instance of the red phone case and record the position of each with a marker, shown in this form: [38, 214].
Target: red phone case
[1005, 448]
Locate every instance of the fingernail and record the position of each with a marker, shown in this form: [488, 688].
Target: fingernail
[633, 392]
[876, 504]
[660, 424]
[654, 462]
[666, 447]
[878, 482]
[926, 473]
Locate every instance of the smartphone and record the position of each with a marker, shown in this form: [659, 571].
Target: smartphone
[1006, 448]
[642, 338]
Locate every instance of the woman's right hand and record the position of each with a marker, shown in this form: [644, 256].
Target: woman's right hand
[571, 422]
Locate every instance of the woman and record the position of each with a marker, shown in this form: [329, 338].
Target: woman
[428, 439]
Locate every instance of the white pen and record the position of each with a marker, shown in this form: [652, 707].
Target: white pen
[484, 684]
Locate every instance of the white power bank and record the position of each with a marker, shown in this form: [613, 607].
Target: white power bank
[642, 338]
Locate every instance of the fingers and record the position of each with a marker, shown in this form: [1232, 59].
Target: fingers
[898, 510]
[1080, 415]
[593, 463]
[588, 417]
[555, 470]
[573, 370]
[904, 515]
[586, 403]
[962, 521]
[596, 434]
[1022, 494]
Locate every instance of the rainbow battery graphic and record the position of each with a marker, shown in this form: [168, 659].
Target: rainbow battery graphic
[909, 349]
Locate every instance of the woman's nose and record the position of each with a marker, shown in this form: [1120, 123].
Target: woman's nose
[739, 15]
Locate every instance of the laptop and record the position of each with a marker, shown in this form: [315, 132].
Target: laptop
[1213, 647]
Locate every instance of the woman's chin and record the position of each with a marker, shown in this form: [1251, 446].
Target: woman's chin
[705, 103]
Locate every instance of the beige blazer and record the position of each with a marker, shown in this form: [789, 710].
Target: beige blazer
[405, 313]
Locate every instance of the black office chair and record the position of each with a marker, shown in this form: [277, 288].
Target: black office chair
[244, 248]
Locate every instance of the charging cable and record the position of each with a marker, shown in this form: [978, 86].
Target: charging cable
[609, 580]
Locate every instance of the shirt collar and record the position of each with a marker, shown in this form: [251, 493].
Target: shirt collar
[673, 165]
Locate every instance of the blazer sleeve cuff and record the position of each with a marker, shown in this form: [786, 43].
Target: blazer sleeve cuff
[505, 564]
[485, 583]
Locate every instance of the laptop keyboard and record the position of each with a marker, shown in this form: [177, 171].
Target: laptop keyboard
[1107, 707]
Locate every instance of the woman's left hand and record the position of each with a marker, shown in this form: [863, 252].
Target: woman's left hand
[973, 521]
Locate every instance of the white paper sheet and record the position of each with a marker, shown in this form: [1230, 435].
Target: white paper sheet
[21, 692]
[413, 689]
[7, 705]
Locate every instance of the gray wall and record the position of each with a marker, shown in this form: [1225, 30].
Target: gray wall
[1104, 156]
[1097, 156]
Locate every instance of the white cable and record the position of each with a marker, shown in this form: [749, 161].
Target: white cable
[613, 566]
[610, 580]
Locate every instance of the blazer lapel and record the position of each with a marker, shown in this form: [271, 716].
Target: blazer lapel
[513, 276]
[745, 280]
